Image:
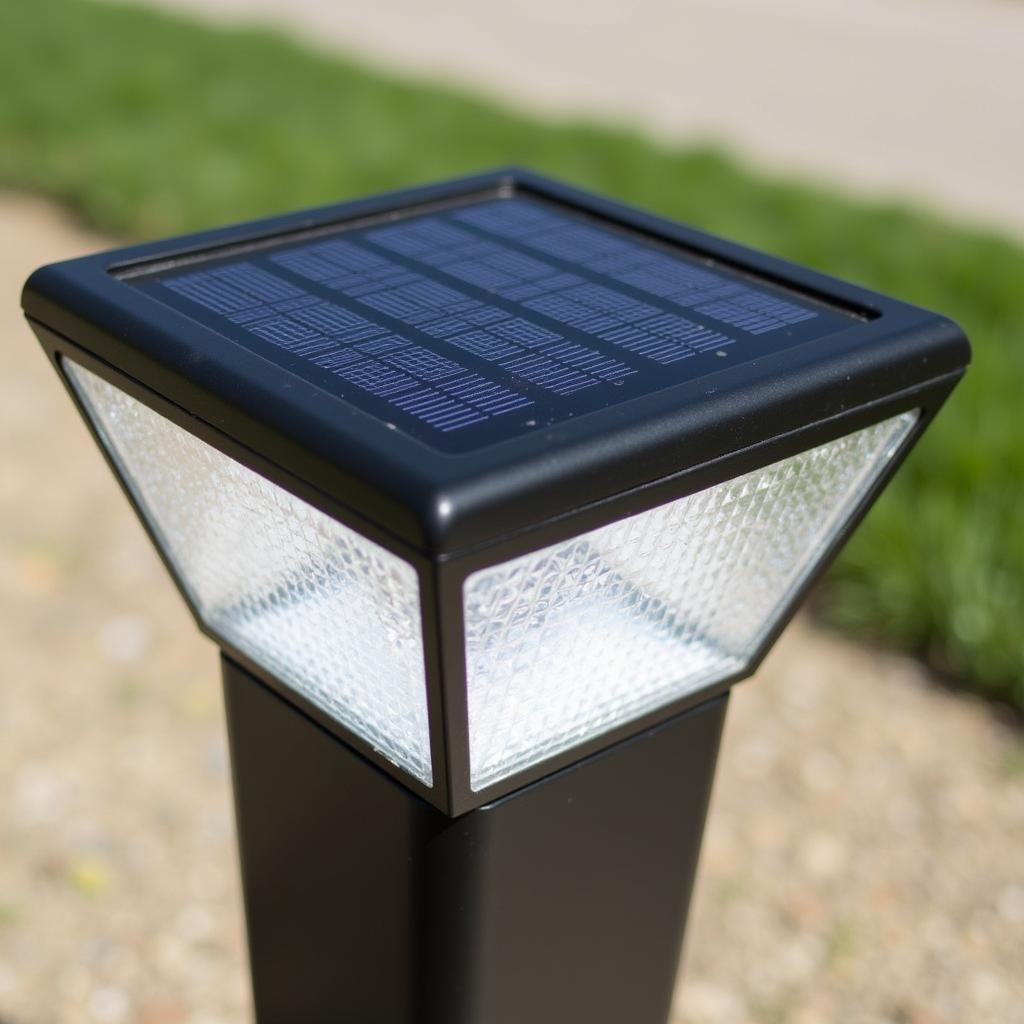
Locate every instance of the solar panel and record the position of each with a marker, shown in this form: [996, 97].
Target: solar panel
[466, 326]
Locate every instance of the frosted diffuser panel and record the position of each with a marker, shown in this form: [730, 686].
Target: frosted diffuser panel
[568, 642]
[328, 612]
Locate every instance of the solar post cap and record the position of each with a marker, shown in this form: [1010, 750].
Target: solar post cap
[487, 479]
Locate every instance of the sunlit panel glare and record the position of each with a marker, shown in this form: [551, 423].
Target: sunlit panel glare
[328, 612]
[571, 641]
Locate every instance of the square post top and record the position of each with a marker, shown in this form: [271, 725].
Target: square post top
[465, 362]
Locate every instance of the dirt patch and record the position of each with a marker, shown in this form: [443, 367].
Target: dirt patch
[863, 858]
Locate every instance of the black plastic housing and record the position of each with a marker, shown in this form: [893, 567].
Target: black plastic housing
[450, 514]
[566, 901]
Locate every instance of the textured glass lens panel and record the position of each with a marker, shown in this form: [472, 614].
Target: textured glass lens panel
[568, 642]
[328, 612]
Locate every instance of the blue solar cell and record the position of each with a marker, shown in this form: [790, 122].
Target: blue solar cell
[466, 326]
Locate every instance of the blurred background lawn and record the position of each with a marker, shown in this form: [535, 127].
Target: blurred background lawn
[148, 125]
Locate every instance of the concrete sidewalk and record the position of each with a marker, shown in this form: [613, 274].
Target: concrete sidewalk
[921, 99]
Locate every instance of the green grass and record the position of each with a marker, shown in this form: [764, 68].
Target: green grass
[148, 125]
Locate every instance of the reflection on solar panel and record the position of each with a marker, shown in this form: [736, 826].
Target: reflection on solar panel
[474, 324]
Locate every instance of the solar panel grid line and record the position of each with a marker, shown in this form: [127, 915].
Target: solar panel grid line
[612, 263]
[356, 286]
[381, 346]
[727, 312]
[258, 283]
[455, 316]
[672, 324]
[490, 264]
[422, 401]
[484, 345]
[425, 364]
[526, 268]
[616, 329]
[560, 308]
[453, 420]
[311, 347]
[401, 308]
[211, 293]
[525, 333]
[422, 303]
[593, 362]
[714, 344]
[657, 349]
[446, 326]
[411, 240]
[333, 361]
[286, 333]
[480, 274]
[499, 407]
[474, 388]
[572, 243]
[449, 416]
[303, 338]
[655, 273]
[685, 331]
[520, 292]
[556, 281]
[380, 380]
[595, 318]
[606, 298]
[435, 295]
[746, 322]
[375, 280]
[477, 342]
[426, 402]
[359, 334]
[397, 387]
[344, 254]
[485, 315]
[486, 394]
[597, 326]
[420, 291]
[330, 318]
[448, 412]
[297, 303]
[439, 409]
[405, 393]
[697, 296]
[424, 236]
[548, 374]
[308, 264]
[252, 315]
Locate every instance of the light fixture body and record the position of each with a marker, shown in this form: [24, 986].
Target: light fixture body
[495, 484]
[454, 505]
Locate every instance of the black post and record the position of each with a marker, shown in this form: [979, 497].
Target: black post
[562, 903]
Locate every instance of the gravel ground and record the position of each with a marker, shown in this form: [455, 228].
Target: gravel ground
[863, 861]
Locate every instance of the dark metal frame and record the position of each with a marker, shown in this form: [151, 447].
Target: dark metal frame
[608, 464]
[447, 505]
